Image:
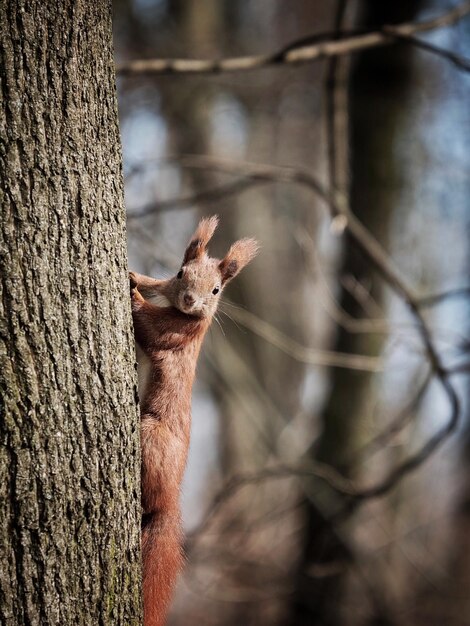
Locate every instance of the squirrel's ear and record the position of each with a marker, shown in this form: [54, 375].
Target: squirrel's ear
[200, 239]
[240, 253]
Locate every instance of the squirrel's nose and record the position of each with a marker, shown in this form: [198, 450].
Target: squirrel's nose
[188, 299]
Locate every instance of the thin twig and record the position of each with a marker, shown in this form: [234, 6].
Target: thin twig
[326, 45]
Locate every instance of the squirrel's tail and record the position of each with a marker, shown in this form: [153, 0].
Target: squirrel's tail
[162, 559]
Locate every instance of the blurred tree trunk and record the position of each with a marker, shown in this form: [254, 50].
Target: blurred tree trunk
[379, 83]
[69, 462]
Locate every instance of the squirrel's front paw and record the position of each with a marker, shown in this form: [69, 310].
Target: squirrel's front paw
[136, 296]
[132, 280]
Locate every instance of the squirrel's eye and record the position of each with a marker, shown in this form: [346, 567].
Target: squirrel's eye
[215, 290]
[179, 274]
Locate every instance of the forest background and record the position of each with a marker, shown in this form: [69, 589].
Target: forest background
[328, 480]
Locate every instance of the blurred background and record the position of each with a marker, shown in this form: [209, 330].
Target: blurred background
[329, 474]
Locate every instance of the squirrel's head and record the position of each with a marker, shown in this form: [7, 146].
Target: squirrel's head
[196, 288]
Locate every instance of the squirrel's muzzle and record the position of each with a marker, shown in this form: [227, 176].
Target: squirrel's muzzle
[188, 299]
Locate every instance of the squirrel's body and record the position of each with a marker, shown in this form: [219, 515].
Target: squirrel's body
[171, 318]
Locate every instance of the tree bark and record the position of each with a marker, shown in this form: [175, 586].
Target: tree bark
[69, 461]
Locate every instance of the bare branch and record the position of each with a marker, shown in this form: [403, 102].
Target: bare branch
[301, 353]
[324, 46]
[239, 481]
[459, 61]
[461, 368]
[213, 194]
[432, 300]
[416, 460]
[401, 420]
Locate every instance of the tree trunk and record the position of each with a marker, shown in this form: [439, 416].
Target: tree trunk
[69, 462]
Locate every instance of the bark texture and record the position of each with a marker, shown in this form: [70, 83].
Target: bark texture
[69, 456]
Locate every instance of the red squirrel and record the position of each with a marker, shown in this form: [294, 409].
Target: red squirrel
[171, 318]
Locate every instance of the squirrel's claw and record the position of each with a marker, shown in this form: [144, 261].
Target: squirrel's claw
[132, 280]
[136, 296]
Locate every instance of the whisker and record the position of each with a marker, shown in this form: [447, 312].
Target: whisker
[166, 273]
[230, 318]
[229, 303]
[218, 322]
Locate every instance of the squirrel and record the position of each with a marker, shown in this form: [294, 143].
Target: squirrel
[171, 318]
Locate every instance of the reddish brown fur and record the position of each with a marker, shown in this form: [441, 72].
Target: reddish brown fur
[170, 339]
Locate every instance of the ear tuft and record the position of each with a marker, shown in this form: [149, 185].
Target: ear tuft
[200, 238]
[239, 255]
